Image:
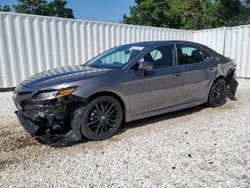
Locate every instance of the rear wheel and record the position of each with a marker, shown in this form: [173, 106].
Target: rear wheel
[218, 93]
[101, 118]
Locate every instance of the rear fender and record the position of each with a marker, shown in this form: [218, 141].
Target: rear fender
[227, 72]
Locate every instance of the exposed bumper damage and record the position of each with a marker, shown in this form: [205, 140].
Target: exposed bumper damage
[50, 121]
[231, 83]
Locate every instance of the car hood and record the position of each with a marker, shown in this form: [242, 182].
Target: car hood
[60, 76]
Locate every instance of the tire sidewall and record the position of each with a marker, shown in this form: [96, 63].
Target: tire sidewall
[85, 130]
[211, 99]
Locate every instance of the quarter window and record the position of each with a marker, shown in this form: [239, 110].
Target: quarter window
[206, 56]
[156, 54]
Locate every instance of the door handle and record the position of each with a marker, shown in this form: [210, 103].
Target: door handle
[177, 73]
[212, 68]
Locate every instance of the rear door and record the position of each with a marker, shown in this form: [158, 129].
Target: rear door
[195, 63]
[162, 87]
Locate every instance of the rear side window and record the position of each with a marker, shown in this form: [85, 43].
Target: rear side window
[188, 54]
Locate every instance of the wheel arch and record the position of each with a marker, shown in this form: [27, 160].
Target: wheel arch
[217, 78]
[212, 83]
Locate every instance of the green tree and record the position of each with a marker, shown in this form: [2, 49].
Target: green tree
[233, 12]
[149, 12]
[189, 14]
[42, 7]
[5, 8]
[58, 8]
[38, 7]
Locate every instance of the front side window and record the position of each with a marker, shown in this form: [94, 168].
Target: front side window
[116, 57]
[161, 57]
[188, 54]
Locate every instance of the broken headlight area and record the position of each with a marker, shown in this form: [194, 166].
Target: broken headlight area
[53, 94]
[45, 95]
[50, 120]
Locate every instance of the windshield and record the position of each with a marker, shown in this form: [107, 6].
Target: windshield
[116, 57]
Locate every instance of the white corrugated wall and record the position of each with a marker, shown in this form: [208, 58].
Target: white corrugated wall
[31, 44]
[232, 42]
[237, 46]
[214, 38]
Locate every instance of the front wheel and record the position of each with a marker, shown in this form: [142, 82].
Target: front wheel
[101, 118]
[218, 93]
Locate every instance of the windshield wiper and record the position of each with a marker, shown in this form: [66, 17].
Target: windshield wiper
[95, 66]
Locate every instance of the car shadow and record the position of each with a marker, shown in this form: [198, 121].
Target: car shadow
[162, 117]
[143, 122]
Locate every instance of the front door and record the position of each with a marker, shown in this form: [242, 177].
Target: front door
[160, 88]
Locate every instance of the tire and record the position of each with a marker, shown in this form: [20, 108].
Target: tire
[101, 118]
[218, 93]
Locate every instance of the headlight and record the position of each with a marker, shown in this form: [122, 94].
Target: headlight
[48, 95]
[45, 95]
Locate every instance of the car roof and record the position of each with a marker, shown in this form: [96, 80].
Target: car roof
[152, 43]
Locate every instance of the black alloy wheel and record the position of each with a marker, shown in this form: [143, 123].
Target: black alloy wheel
[218, 93]
[101, 118]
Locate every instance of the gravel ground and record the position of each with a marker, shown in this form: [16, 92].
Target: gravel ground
[198, 147]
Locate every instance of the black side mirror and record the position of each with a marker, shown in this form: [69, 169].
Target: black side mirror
[144, 67]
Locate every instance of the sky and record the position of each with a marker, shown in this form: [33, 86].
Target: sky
[97, 10]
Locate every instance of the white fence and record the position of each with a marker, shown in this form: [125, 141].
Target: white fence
[232, 42]
[31, 44]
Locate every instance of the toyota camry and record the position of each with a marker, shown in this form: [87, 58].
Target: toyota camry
[123, 84]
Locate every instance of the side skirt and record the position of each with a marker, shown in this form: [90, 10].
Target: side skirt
[165, 110]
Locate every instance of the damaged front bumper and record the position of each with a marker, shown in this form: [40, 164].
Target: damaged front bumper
[54, 122]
